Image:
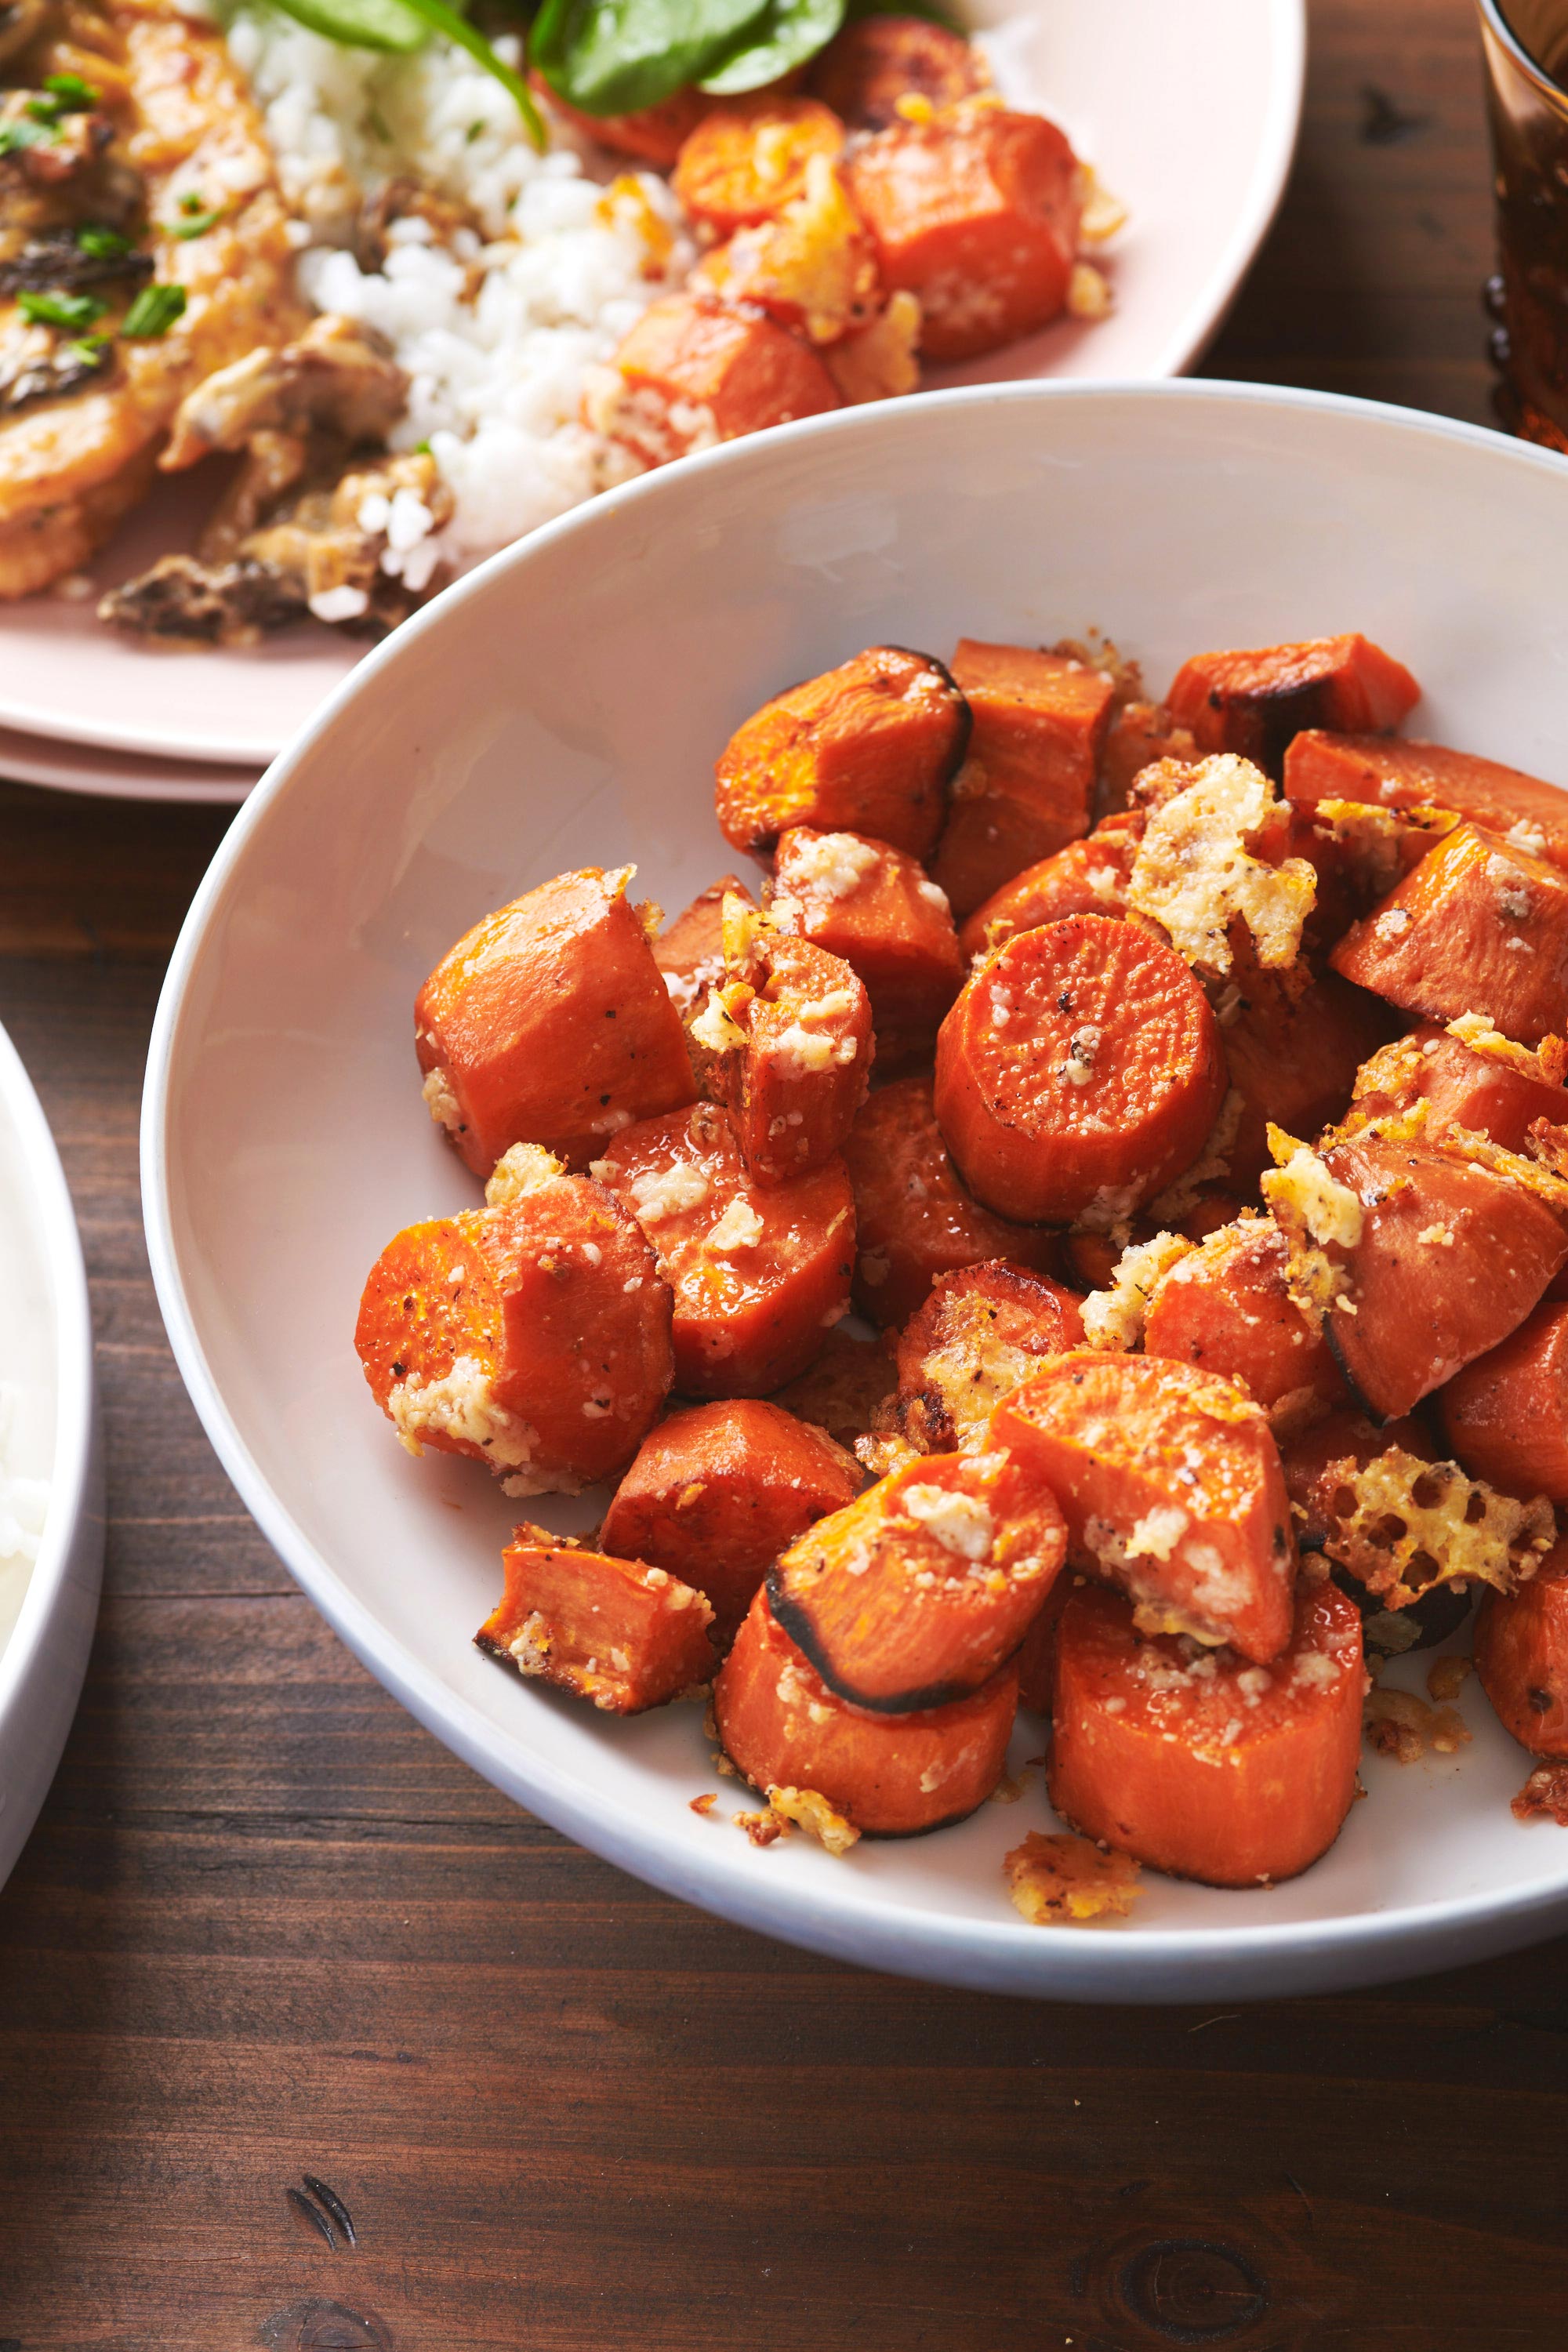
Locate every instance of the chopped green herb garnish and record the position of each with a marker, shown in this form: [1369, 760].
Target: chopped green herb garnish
[102, 244]
[196, 224]
[153, 313]
[75, 96]
[18, 133]
[59, 309]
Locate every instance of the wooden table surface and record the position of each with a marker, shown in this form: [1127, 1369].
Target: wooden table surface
[267, 1927]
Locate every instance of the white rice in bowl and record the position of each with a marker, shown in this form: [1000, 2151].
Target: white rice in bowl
[500, 331]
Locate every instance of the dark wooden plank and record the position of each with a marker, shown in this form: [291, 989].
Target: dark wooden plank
[267, 1927]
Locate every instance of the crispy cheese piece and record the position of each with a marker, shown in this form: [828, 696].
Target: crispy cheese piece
[1197, 868]
[1064, 1880]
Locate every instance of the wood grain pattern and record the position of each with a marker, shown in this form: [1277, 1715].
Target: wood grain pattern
[269, 1930]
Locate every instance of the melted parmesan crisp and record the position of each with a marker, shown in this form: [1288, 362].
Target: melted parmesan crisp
[1196, 870]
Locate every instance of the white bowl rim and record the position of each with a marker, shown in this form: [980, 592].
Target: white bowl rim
[72, 1472]
[849, 1923]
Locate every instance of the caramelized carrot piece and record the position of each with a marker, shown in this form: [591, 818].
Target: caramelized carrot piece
[1480, 926]
[1140, 734]
[890, 1775]
[1293, 1045]
[718, 1491]
[873, 906]
[549, 1024]
[915, 1219]
[747, 159]
[759, 1276]
[793, 1055]
[1406, 775]
[1200, 1765]
[874, 62]
[1522, 1656]
[1170, 1482]
[1027, 785]
[977, 213]
[1505, 1416]
[689, 951]
[914, 1594]
[1254, 703]
[1491, 1087]
[866, 748]
[1086, 878]
[1447, 1256]
[534, 1338]
[1081, 1066]
[692, 372]
[981, 1332]
[1227, 1307]
[618, 1633]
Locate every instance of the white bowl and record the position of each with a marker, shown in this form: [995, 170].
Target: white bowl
[564, 707]
[1189, 111]
[46, 1612]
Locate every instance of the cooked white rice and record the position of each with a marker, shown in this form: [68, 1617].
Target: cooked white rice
[563, 270]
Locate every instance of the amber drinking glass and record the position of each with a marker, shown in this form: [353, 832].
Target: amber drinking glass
[1526, 44]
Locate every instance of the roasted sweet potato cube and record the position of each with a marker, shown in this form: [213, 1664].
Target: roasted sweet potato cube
[916, 1220]
[1027, 787]
[914, 1594]
[748, 158]
[717, 1492]
[692, 373]
[982, 1331]
[889, 1775]
[534, 1337]
[1086, 878]
[872, 64]
[873, 906]
[792, 1046]
[1480, 926]
[549, 1024]
[760, 1275]
[1169, 1481]
[1411, 775]
[619, 1633]
[977, 213]
[1254, 703]
[869, 747]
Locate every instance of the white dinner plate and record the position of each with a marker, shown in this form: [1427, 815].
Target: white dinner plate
[285, 1140]
[47, 1607]
[1189, 110]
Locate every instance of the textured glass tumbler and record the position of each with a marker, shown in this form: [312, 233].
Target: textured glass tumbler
[1526, 47]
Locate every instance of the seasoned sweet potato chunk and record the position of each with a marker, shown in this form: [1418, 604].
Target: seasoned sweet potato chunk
[1193, 1760]
[534, 1337]
[692, 372]
[549, 1024]
[1086, 878]
[914, 1594]
[915, 1218]
[873, 906]
[1406, 775]
[890, 1775]
[1227, 1307]
[792, 1044]
[1027, 785]
[1254, 703]
[977, 213]
[1522, 1656]
[981, 1332]
[1480, 926]
[758, 1273]
[747, 159]
[875, 61]
[618, 1633]
[718, 1491]
[1080, 1071]
[869, 747]
[1505, 1415]
[1171, 1484]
